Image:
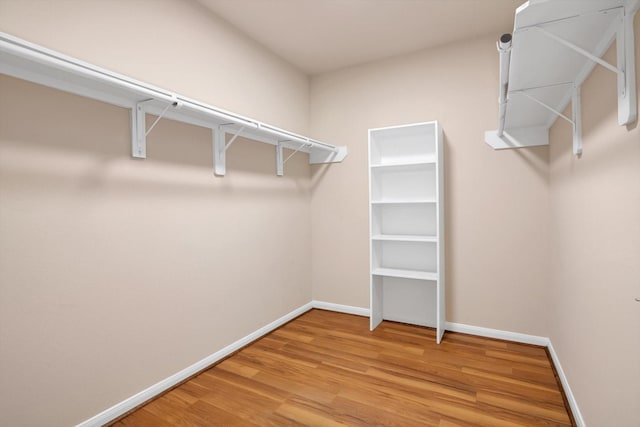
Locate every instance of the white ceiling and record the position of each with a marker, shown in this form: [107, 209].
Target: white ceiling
[324, 35]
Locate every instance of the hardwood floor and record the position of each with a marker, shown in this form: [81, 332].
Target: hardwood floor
[328, 369]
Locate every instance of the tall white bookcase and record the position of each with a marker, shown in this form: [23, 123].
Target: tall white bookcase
[406, 217]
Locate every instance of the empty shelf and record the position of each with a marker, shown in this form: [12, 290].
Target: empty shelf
[407, 274]
[430, 161]
[400, 202]
[405, 238]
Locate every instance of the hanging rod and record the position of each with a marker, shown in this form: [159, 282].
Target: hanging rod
[28, 61]
[281, 133]
[504, 47]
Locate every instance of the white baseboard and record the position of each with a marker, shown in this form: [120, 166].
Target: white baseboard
[498, 334]
[136, 400]
[577, 415]
[340, 308]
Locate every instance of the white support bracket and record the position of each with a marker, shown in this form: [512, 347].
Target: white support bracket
[300, 147]
[579, 50]
[219, 153]
[576, 120]
[138, 134]
[220, 147]
[576, 109]
[279, 161]
[139, 131]
[542, 104]
[625, 47]
[280, 155]
[625, 69]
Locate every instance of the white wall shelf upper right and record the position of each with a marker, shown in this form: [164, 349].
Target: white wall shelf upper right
[554, 47]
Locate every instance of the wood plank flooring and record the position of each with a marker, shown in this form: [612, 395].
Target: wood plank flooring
[328, 369]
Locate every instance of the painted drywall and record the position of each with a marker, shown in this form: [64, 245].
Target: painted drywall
[178, 45]
[116, 273]
[497, 203]
[595, 255]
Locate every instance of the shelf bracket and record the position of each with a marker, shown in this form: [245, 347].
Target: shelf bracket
[625, 47]
[138, 134]
[220, 147]
[576, 120]
[625, 69]
[579, 50]
[279, 162]
[547, 106]
[300, 147]
[139, 131]
[576, 109]
[279, 155]
[219, 153]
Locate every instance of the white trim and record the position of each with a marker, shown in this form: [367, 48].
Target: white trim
[136, 400]
[497, 333]
[340, 308]
[575, 410]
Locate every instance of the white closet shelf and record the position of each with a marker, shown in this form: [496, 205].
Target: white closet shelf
[405, 274]
[403, 202]
[554, 47]
[404, 238]
[404, 164]
[28, 61]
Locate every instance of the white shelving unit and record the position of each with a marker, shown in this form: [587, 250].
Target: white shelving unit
[407, 225]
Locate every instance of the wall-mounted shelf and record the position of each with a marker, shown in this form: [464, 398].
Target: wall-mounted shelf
[554, 47]
[28, 61]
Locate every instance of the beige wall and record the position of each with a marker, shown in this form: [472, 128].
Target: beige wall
[497, 203]
[117, 273]
[595, 259]
[175, 44]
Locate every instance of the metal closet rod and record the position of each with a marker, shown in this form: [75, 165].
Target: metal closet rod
[233, 119]
[290, 136]
[504, 47]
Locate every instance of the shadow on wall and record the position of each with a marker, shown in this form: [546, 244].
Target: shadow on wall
[55, 136]
[537, 159]
[318, 172]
